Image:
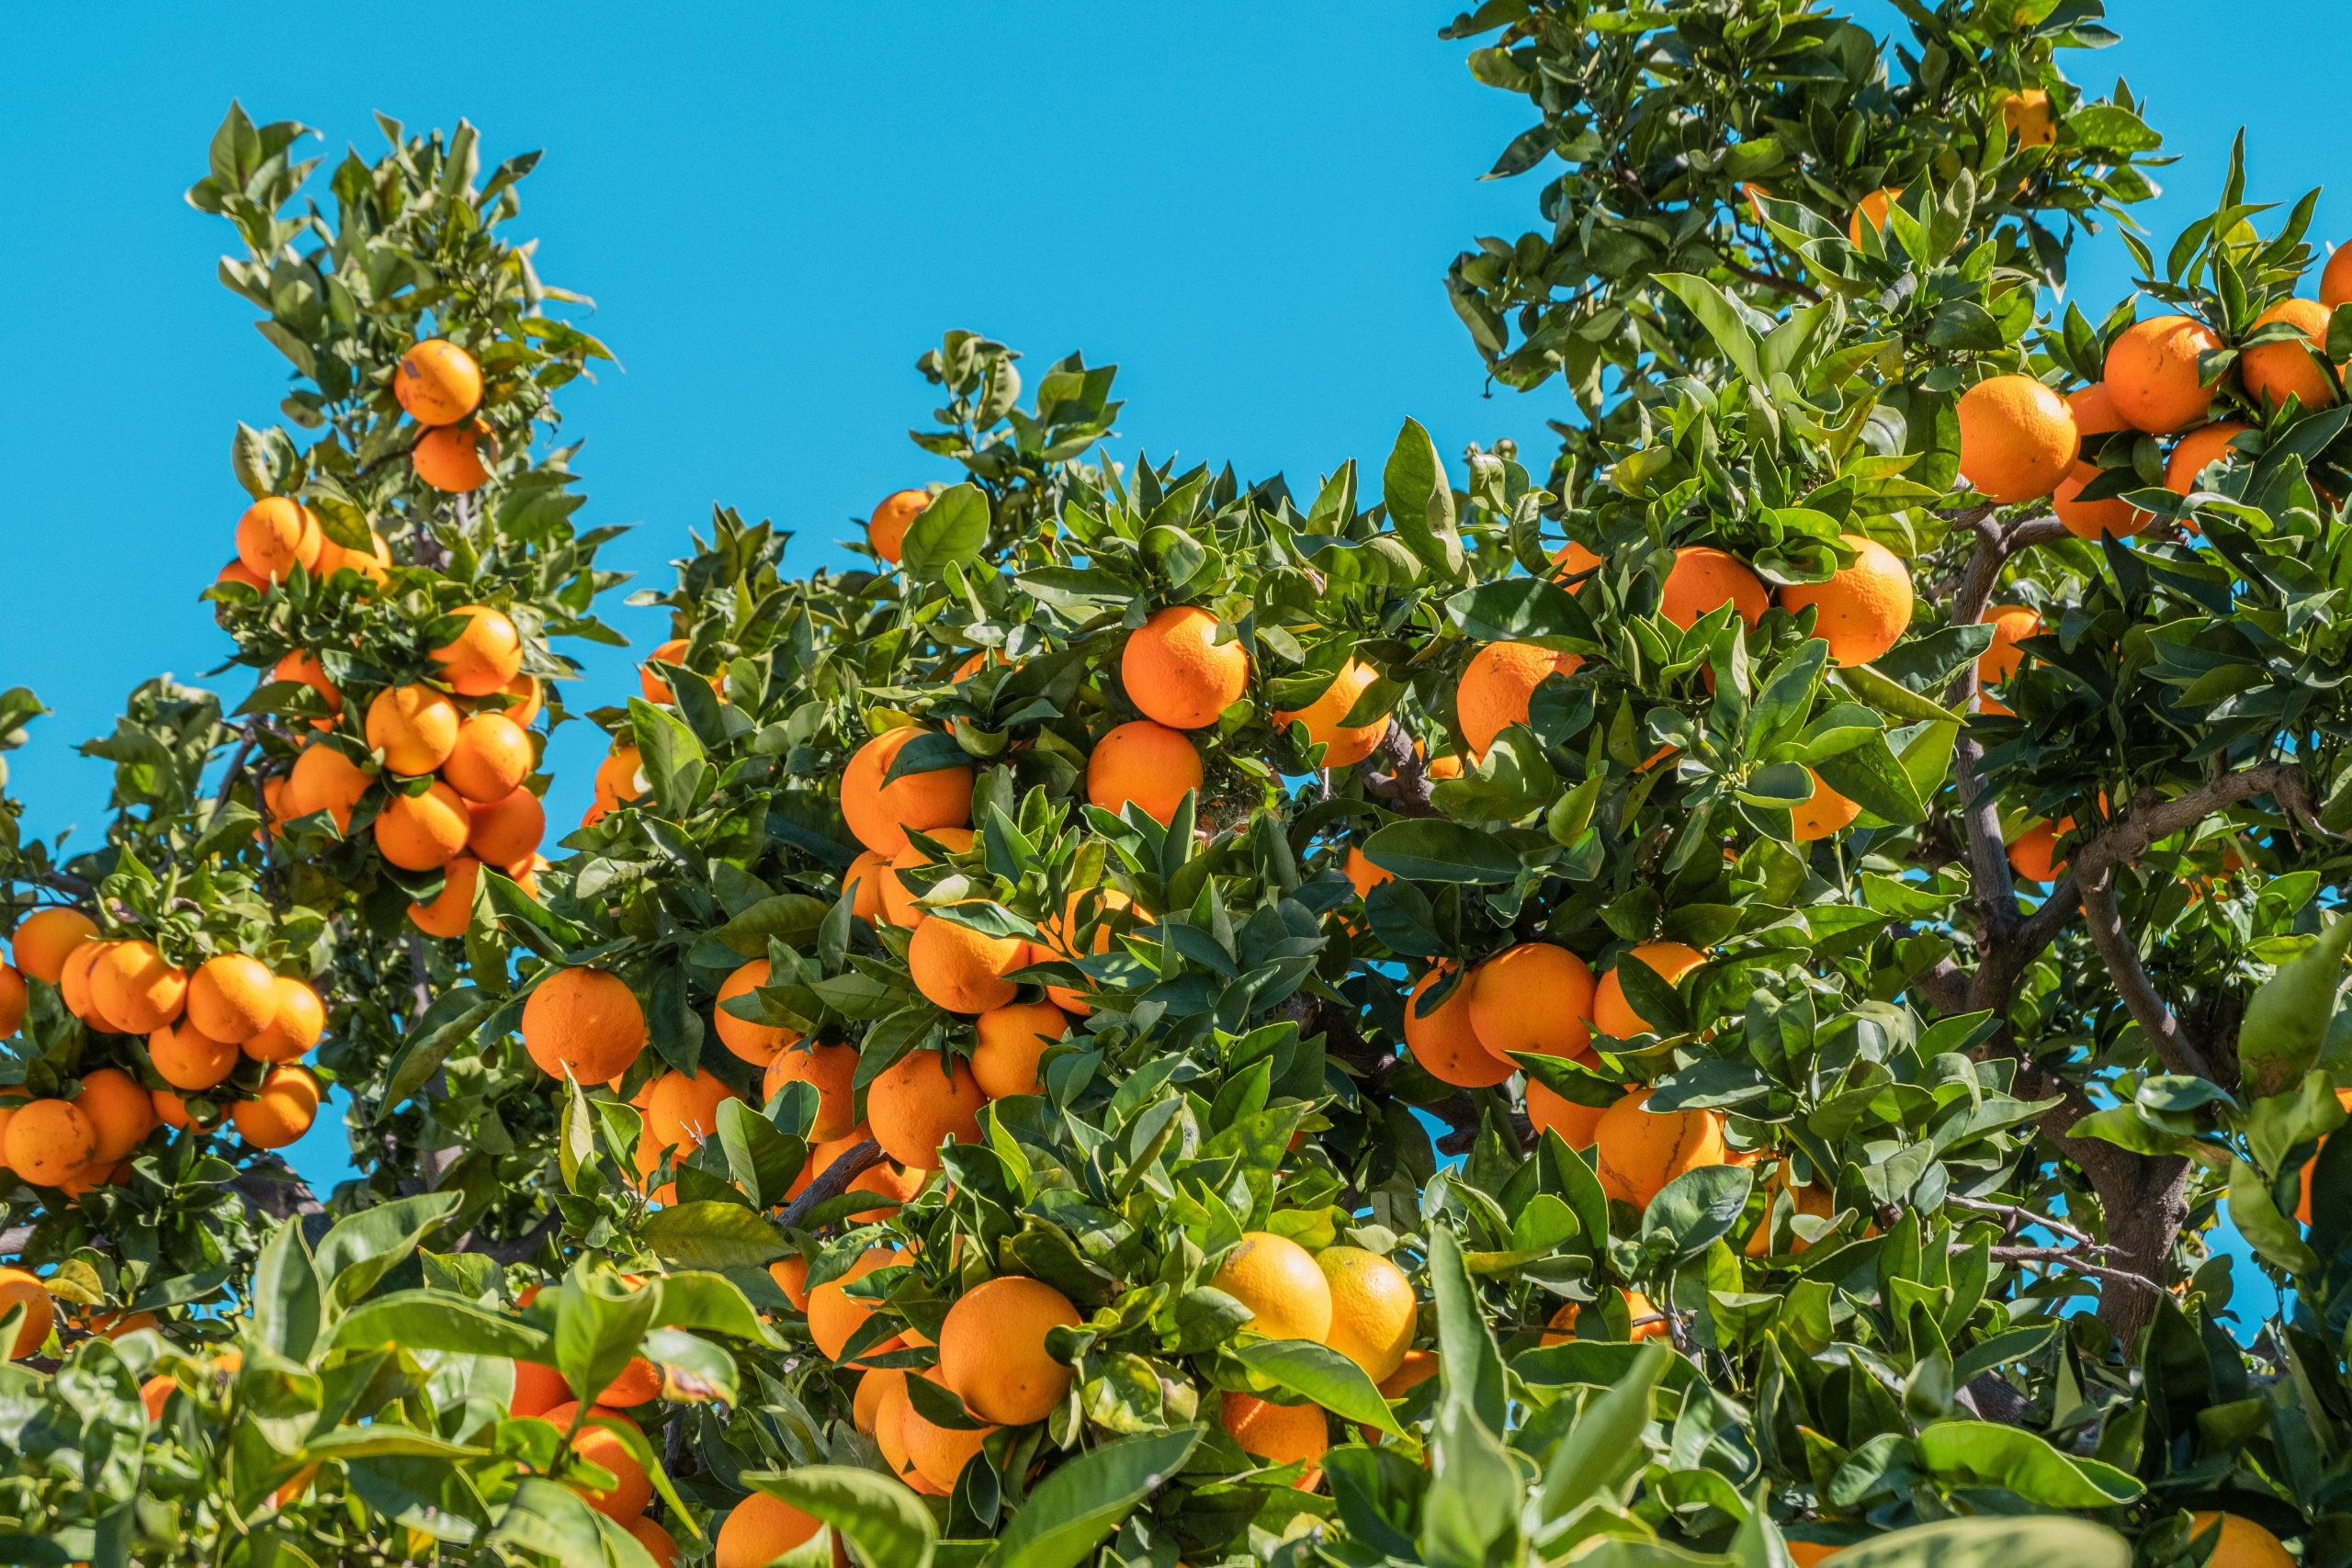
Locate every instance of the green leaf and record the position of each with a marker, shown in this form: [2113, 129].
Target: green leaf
[881, 1517]
[1724, 318]
[436, 1320]
[2047, 1542]
[2288, 1015]
[1075, 1508]
[287, 1303]
[1469, 1362]
[1985, 1453]
[362, 1249]
[1322, 1375]
[1428, 849]
[1515, 609]
[1605, 1445]
[951, 530]
[1419, 500]
[712, 1236]
[1696, 1209]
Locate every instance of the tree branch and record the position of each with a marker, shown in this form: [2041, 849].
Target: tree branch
[1774, 281]
[831, 1182]
[1397, 778]
[2122, 957]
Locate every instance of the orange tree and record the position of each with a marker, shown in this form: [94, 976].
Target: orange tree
[1704, 1010]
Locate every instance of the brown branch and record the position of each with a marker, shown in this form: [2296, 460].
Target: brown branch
[237, 760]
[2062, 1256]
[1773, 280]
[2017, 1215]
[514, 1249]
[831, 1182]
[1397, 777]
[2104, 918]
[273, 1188]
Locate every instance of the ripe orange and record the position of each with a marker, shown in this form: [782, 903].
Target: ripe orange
[759, 1529]
[1644, 1321]
[537, 1390]
[1573, 559]
[1373, 1309]
[484, 656]
[880, 814]
[899, 905]
[374, 563]
[491, 759]
[2033, 854]
[2238, 1541]
[1863, 609]
[583, 1020]
[1550, 1112]
[120, 1111]
[1279, 1434]
[1445, 1040]
[422, 833]
[277, 535]
[864, 881]
[1818, 1203]
[232, 997]
[323, 779]
[2201, 448]
[890, 1436]
[437, 382]
[1445, 765]
[414, 726]
[13, 1001]
[188, 1059]
[1276, 1278]
[134, 989]
[992, 1349]
[963, 970]
[299, 666]
[657, 690]
[1872, 210]
[528, 699]
[2150, 373]
[507, 831]
[297, 1021]
[747, 1039]
[598, 1443]
[835, 1315]
[885, 530]
[43, 939]
[684, 1111]
[791, 1276]
[452, 909]
[2273, 372]
[2026, 117]
[236, 571]
[1013, 1040]
[1106, 910]
[1613, 1014]
[1176, 671]
[1826, 814]
[938, 1453]
[172, 1111]
[2011, 623]
[914, 1106]
[18, 1289]
[1532, 996]
[1498, 685]
[2112, 516]
[1362, 874]
[1344, 745]
[2017, 439]
[2335, 279]
[656, 1540]
[1638, 1151]
[74, 983]
[449, 458]
[1703, 580]
[280, 1111]
[1146, 763]
[47, 1141]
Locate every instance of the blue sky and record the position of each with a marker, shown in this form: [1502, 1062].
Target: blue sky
[1250, 208]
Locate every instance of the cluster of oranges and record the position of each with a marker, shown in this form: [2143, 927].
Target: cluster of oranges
[200, 1025]
[439, 386]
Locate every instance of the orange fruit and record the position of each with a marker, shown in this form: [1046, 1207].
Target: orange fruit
[791, 1276]
[1362, 874]
[2335, 279]
[414, 727]
[1827, 813]
[1872, 210]
[1573, 559]
[598, 1443]
[1550, 1112]
[864, 881]
[890, 1436]
[507, 831]
[759, 1529]
[232, 997]
[449, 458]
[1704, 579]
[1863, 609]
[1638, 1151]
[2150, 373]
[1532, 996]
[43, 939]
[484, 656]
[134, 989]
[236, 571]
[915, 1105]
[1344, 745]
[2201, 448]
[2026, 117]
[1645, 1322]
[297, 1021]
[48, 1140]
[684, 1111]
[74, 983]
[657, 690]
[1277, 1280]
[13, 1001]
[963, 970]
[172, 1111]
[374, 563]
[277, 535]
[1446, 765]
[1373, 1309]
[586, 1022]
[2033, 854]
[1498, 685]
[992, 1349]
[537, 1390]
[120, 1111]
[1105, 910]
[2017, 438]
[491, 759]
[437, 382]
[188, 1059]
[2238, 1541]
[747, 1039]
[2273, 372]
[1176, 671]
[885, 530]
[835, 1315]
[1013, 1040]
[423, 831]
[899, 906]
[1145, 763]
[299, 666]
[656, 1540]
[1279, 1434]
[2011, 623]
[323, 779]
[1613, 1014]
[20, 1289]
[280, 1111]
[879, 814]
[452, 909]
[1818, 1203]
[938, 1453]
[1445, 1040]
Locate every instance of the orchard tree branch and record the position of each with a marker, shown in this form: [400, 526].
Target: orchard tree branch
[830, 1183]
[2104, 918]
[1398, 778]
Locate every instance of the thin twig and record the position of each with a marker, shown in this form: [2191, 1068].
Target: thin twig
[2024, 1216]
[831, 1182]
[2059, 1255]
[2104, 918]
[1773, 280]
[1398, 777]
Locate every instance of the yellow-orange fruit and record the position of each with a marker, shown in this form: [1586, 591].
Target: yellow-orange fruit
[1532, 996]
[299, 666]
[1344, 745]
[1644, 1320]
[2335, 279]
[683, 1111]
[235, 570]
[880, 815]
[2198, 450]
[1372, 1309]
[1362, 874]
[20, 1289]
[835, 1316]
[2150, 373]
[452, 909]
[232, 997]
[528, 699]
[13, 1001]
[423, 831]
[298, 1021]
[2017, 439]
[657, 1541]
[2273, 372]
[914, 1107]
[135, 989]
[484, 656]
[1613, 1014]
[47, 1141]
[1573, 559]
[748, 1039]
[885, 530]
[1818, 1203]
[1825, 814]
[1863, 609]
[491, 760]
[507, 831]
[1498, 685]
[583, 1020]
[120, 1111]
[1279, 1434]
[791, 1276]
[1872, 210]
[597, 1443]
[1176, 671]
[1445, 1042]
[992, 1349]
[1107, 911]
[449, 458]
[938, 1453]
[44, 937]
[2026, 117]
[277, 535]
[437, 382]
[2033, 854]
[1704, 579]
[1445, 765]
[1638, 1151]
[414, 727]
[898, 899]
[2011, 623]
[657, 690]
[963, 970]
[890, 1437]
[280, 1111]
[188, 1059]
[1145, 763]
[373, 562]
[863, 881]
[2113, 518]
[2238, 1541]
[1550, 1112]
[1276, 1278]
[74, 983]
[1013, 1040]
[323, 779]
[759, 1529]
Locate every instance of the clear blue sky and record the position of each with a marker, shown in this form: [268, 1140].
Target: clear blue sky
[1251, 207]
